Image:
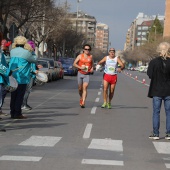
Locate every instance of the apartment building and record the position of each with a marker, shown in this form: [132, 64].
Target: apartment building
[167, 20]
[137, 34]
[85, 24]
[102, 37]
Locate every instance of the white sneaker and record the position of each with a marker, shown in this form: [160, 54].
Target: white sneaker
[3, 114]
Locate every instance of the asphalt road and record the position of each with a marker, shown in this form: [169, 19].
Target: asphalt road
[59, 135]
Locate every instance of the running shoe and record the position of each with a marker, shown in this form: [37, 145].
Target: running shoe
[109, 106]
[83, 105]
[167, 136]
[81, 102]
[104, 105]
[154, 136]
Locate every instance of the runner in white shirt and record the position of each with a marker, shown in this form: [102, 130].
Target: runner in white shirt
[110, 76]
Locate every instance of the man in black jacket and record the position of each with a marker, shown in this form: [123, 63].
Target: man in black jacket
[159, 73]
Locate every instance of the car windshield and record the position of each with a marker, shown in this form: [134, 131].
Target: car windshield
[51, 63]
[67, 61]
[43, 63]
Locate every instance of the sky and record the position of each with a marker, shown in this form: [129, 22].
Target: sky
[117, 14]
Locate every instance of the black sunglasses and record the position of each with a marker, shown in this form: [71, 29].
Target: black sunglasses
[87, 49]
[111, 50]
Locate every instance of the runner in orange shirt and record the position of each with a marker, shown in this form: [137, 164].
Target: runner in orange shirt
[84, 63]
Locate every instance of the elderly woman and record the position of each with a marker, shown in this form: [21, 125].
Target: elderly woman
[21, 59]
[159, 90]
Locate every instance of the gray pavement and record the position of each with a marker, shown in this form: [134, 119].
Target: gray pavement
[58, 134]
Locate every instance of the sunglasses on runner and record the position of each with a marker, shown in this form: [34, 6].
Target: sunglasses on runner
[111, 50]
[87, 49]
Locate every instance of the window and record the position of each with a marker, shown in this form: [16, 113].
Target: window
[145, 28]
[139, 28]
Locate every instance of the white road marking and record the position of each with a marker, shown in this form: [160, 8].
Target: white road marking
[162, 147]
[48, 141]
[97, 99]
[93, 110]
[166, 159]
[102, 162]
[41, 104]
[167, 165]
[99, 93]
[87, 131]
[107, 144]
[20, 158]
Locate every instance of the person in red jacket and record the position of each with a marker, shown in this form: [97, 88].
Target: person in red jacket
[84, 63]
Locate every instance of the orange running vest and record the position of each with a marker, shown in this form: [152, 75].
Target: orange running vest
[87, 61]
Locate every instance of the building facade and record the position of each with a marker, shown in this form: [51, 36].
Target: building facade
[102, 37]
[167, 20]
[86, 24]
[137, 34]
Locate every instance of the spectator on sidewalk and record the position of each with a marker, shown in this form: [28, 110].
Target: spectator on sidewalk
[159, 90]
[34, 70]
[21, 59]
[4, 58]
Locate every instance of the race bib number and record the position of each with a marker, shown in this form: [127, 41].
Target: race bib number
[111, 69]
[86, 68]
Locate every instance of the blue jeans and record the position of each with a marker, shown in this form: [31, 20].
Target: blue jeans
[157, 102]
[28, 91]
[3, 93]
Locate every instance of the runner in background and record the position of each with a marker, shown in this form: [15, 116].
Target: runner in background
[110, 76]
[84, 63]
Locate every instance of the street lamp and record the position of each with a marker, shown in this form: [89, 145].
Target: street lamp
[155, 31]
[77, 13]
[76, 25]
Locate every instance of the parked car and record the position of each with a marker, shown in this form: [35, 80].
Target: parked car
[52, 66]
[46, 69]
[57, 69]
[143, 68]
[68, 67]
[61, 70]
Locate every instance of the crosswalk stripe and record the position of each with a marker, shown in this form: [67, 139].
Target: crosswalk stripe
[48, 141]
[167, 166]
[162, 147]
[97, 99]
[106, 144]
[93, 110]
[20, 158]
[87, 131]
[102, 162]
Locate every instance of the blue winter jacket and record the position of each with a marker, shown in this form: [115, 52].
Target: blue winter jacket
[4, 70]
[20, 64]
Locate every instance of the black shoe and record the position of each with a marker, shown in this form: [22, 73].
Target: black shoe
[20, 117]
[154, 136]
[2, 130]
[167, 136]
[26, 107]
